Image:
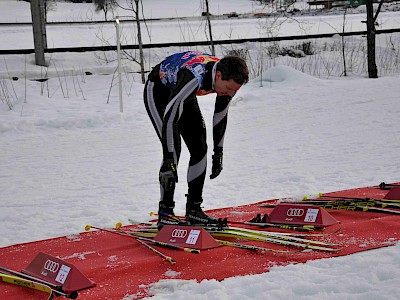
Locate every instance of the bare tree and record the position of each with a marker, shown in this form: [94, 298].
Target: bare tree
[133, 5]
[105, 6]
[371, 34]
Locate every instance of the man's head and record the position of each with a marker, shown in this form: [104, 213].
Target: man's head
[230, 75]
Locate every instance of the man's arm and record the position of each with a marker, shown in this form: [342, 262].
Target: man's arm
[220, 121]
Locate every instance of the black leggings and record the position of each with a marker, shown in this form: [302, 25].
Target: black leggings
[190, 126]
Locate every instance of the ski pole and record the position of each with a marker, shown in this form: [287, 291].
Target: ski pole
[171, 217]
[190, 250]
[88, 227]
[118, 226]
[168, 258]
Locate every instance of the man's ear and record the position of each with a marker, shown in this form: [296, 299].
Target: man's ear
[218, 75]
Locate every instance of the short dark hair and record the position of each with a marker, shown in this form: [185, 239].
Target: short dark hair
[233, 67]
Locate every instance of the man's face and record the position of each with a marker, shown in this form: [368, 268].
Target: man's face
[225, 87]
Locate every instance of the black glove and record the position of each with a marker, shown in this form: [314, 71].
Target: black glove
[168, 174]
[216, 164]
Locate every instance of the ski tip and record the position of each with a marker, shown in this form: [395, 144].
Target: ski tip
[88, 227]
[118, 225]
[152, 213]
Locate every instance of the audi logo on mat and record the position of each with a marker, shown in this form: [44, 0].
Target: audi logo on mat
[295, 212]
[179, 233]
[51, 266]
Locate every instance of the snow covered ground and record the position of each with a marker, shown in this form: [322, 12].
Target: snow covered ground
[68, 158]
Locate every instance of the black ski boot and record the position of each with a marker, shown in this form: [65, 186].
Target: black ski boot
[195, 214]
[166, 216]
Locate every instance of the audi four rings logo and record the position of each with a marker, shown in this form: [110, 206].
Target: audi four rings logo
[51, 266]
[179, 233]
[295, 212]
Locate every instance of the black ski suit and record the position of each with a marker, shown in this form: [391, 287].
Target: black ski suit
[171, 103]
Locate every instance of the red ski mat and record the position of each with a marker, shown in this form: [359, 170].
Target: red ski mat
[121, 266]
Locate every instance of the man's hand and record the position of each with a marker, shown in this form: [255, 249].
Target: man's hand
[216, 164]
[168, 175]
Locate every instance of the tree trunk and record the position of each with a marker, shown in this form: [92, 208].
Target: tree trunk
[344, 44]
[141, 57]
[39, 30]
[139, 35]
[371, 32]
[209, 28]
